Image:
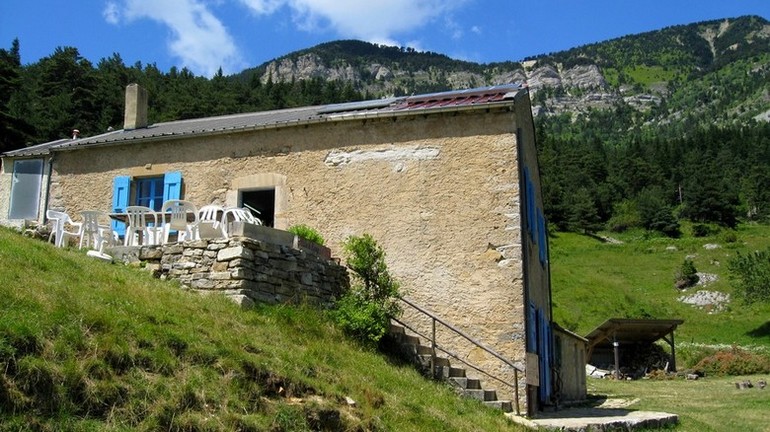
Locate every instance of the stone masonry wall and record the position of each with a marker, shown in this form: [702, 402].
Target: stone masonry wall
[244, 269]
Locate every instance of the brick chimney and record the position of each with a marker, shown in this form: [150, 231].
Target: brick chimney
[136, 107]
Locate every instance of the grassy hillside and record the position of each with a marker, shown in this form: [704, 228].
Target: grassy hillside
[86, 345]
[595, 280]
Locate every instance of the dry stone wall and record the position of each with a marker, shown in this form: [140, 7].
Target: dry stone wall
[244, 269]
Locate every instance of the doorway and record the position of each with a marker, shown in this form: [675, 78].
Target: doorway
[261, 202]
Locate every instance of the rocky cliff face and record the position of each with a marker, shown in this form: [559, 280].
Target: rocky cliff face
[635, 71]
[377, 78]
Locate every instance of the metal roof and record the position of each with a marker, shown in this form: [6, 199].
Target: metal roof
[36, 150]
[629, 331]
[484, 96]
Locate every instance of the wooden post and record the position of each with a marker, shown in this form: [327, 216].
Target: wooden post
[673, 352]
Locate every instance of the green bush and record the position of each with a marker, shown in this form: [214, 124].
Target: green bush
[734, 362]
[688, 355]
[686, 276]
[365, 311]
[729, 236]
[751, 274]
[307, 233]
[625, 216]
[701, 230]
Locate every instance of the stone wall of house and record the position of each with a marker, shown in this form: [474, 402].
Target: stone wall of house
[440, 192]
[244, 269]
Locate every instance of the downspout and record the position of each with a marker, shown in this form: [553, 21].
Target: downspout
[48, 187]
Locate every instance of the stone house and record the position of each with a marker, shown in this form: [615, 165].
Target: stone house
[447, 183]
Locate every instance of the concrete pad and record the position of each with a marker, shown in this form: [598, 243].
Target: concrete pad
[597, 419]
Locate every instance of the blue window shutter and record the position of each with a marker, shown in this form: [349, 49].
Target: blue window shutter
[525, 200]
[541, 237]
[172, 185]
[121, 188]
[531, 207]
[531, 328]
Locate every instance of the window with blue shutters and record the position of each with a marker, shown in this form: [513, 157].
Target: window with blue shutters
[150, 192]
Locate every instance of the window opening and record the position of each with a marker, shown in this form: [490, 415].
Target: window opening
[263, 201]
[25, 189]
[149, 192]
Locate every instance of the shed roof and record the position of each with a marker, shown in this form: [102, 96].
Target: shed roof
[451, 100]
[627, 331]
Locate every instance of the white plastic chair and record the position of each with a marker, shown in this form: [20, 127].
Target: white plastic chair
[178, 212]
[210, 222]
[95, 235]
[142, 226]
[62, 227]
[238, 214]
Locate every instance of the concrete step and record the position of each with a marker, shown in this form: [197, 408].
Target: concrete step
[465, 383]
[450, 372]
[410, 340]
[424, 349]
[502, 405]
[480, 394]
[439, 361]
[467, 387]
[396, 329]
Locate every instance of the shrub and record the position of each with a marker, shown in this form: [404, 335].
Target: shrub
[701, 230]
[686, 276]
[364, 312]
[751, 274]
[625, 216]
[729, 236]
[307, 233]
[734, 362]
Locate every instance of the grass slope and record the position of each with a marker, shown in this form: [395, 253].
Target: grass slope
[593, 281]
[86, 345]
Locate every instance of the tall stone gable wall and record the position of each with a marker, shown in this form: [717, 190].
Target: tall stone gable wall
[439, 192]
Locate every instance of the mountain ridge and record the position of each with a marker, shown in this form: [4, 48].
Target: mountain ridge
[641, 71]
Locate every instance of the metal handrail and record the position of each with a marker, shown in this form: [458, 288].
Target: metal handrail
[454, 355]
[434, 346]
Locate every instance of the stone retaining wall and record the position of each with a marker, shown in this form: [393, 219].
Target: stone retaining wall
[244, 269]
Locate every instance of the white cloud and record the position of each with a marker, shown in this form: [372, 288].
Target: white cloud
[203, 43]
[198, 38]
[369, 20]
[111, 13]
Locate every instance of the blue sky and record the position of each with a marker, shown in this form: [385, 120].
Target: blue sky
[204, 35]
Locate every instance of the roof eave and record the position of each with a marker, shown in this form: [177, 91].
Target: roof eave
[296, 123]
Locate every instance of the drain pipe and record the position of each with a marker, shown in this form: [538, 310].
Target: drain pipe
[48, 187]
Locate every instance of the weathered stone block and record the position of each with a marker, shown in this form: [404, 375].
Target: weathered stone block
[175, 248]
[202, 284]
[196, 244]
[306, 278]
[150, 253]
[219, 266]
[234, 252]
[243, 301]
[220, 275]
[186, 265]
[242, 273]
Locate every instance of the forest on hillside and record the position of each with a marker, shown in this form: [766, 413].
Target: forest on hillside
[600, 170]
[46, 100]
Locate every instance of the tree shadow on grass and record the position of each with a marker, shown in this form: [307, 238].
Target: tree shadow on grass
[762, 331]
